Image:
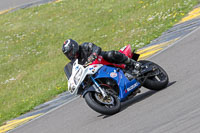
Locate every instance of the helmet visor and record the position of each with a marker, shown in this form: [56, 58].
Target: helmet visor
[70, 55]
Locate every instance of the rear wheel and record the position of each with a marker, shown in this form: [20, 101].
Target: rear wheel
[158, 79]
[108, 106]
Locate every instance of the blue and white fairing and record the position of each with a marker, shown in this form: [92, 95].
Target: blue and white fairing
[78, 75]
[125, 86]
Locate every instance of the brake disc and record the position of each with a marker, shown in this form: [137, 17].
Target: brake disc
[109, 100]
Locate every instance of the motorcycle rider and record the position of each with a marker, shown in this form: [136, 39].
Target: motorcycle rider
[88, 52]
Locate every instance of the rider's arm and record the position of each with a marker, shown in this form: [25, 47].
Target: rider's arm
[92, 49]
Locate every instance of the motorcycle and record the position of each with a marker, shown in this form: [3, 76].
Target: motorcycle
[105, 85]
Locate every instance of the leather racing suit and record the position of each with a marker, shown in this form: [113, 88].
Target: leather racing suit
[87, 50]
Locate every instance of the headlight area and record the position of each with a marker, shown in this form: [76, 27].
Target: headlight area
[71, 87]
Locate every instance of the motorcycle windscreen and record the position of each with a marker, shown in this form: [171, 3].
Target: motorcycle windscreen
[68, 69]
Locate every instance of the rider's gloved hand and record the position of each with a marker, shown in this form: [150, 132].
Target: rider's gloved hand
[92, 57]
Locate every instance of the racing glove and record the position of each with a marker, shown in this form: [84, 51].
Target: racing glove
[92, 57]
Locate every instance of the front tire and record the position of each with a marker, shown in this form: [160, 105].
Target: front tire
[103, 108]
[157, 82]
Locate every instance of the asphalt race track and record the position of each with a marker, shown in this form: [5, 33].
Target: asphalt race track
[6, 4]
[175, 109]
[13, 5]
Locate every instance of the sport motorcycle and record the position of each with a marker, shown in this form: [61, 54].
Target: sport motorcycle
[105, 85]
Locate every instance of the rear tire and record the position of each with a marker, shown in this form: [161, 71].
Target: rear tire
[156, 82]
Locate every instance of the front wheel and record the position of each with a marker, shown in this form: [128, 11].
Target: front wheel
[157, 81]
[109, 106]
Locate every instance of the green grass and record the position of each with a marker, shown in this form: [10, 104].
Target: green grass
[31, 68]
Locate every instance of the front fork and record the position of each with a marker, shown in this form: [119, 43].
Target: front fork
[101, 90]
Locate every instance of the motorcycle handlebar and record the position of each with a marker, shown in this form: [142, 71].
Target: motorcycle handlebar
[87, 64]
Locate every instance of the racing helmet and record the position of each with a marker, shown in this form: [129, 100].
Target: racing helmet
[70, 49]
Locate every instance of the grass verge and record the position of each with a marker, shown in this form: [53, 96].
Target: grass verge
[31, 69]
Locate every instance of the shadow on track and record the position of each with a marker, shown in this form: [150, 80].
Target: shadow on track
[141, 97]
[137, 99]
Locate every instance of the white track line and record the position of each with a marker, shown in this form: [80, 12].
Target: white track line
[174, 43]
